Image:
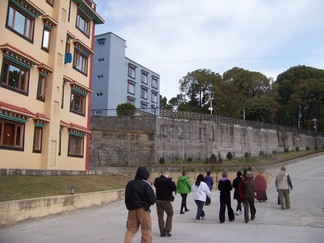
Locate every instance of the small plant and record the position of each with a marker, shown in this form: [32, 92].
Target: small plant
[213, 158]
[247, 155]
[162, 161]
[189, 160]
[274, 152]
[315, 148]
[229, 156]
[286, 150]
[297, 149]
[307, 148]
[262, 154]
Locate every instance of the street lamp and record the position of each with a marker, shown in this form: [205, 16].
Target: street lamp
[315, 127]
[211, 105]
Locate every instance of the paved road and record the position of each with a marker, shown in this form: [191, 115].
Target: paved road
[304, 222]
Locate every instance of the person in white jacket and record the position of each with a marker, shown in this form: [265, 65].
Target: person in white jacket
[200, 192]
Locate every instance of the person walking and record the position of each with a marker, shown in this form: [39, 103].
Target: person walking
[247, 195]
[261, 186]
[236, 184]
[225, 187]
[165, 187]
[139, 196]
[283, 183]
[200, 192]
[210, 182]
[184, 188]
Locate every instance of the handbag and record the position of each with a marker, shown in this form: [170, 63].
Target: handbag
[208, 201]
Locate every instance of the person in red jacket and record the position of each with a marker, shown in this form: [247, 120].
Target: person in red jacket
[261, 186]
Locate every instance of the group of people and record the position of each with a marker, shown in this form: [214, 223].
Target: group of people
[140, 196]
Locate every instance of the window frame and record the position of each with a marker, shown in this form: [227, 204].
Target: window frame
[155, 82]
[44, 48]
[82, 110]
[50, 2]
[5, 78]
[79, 142]
[78, 57]
[131, 72]
[129, 85]
[18, 134]
[144, 93]
[27, 34]
[85, 27]
[41, 88]
[38, 139]
[144, 78]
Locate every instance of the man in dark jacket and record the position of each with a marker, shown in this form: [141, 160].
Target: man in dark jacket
[247, 195]
[225, 187]
[164, 187]
[139, 196]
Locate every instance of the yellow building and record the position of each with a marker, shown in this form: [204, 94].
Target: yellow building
[46, 51]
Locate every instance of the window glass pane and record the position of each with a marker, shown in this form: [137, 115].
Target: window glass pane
[46, 39]
[19, 23]
[10, 17]
[13, 76]
[9, 134]
[76, 146]
[38, 139]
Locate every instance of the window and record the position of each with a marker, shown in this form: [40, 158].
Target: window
[46, 39]
[77, 103]
[144, 93]
[50, 2]
[101, 41]
[99, 94]
[154, 98]
[14, 77]
[131, 88]
[19, 22]
[38, 135]
[83, 23]
[101, 59]
[144, 78]
[80, 62]
[143, 105]
[154, 82]
[41, 88]
[131, 71]
[11, 135]
[100, 76]
[131, 101]
[75, 146]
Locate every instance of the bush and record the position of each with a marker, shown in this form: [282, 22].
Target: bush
[126, 109]
[307, 148]
[162, 161]
[274, 152]
[213, 158]
[246, 155]
[262, 154]
[297, 149]
[229, 156]
[286, 150]
[189, 160]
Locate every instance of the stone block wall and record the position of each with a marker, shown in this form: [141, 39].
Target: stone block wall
[145, 139]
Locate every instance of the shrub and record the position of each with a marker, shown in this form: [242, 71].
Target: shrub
[315, 148]
[189, 160]
[126, 109]
[286, 150]
[307, 148]
[297, 149]
[213, 158]
[162, 161]
[229, 156]
[274, 152]
[262, 153]
[246, 155]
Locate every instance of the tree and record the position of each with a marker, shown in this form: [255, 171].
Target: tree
[126, 109]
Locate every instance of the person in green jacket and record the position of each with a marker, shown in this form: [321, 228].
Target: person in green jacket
[183, 187]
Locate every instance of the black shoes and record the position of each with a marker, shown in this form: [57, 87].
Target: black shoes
[182, 213]
[166, 234]
[187, 210]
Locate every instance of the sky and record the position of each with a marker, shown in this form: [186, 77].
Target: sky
[175, 37]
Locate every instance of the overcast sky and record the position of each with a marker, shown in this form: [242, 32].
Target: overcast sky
[174, 37]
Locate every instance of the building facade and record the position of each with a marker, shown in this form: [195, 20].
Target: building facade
[46, 51]
[118, 79]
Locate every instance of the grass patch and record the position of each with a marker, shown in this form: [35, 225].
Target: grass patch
[21, 187]
[16, 187]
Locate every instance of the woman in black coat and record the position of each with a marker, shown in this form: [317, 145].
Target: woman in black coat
[236, 183]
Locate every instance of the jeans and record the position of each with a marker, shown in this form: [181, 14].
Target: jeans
[183, 202]
[200, 211]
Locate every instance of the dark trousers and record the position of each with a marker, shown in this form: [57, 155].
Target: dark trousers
[183, 202]
[249, 204]
[223, 204]
[161, 207]
[200, 210]
[239, 205]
